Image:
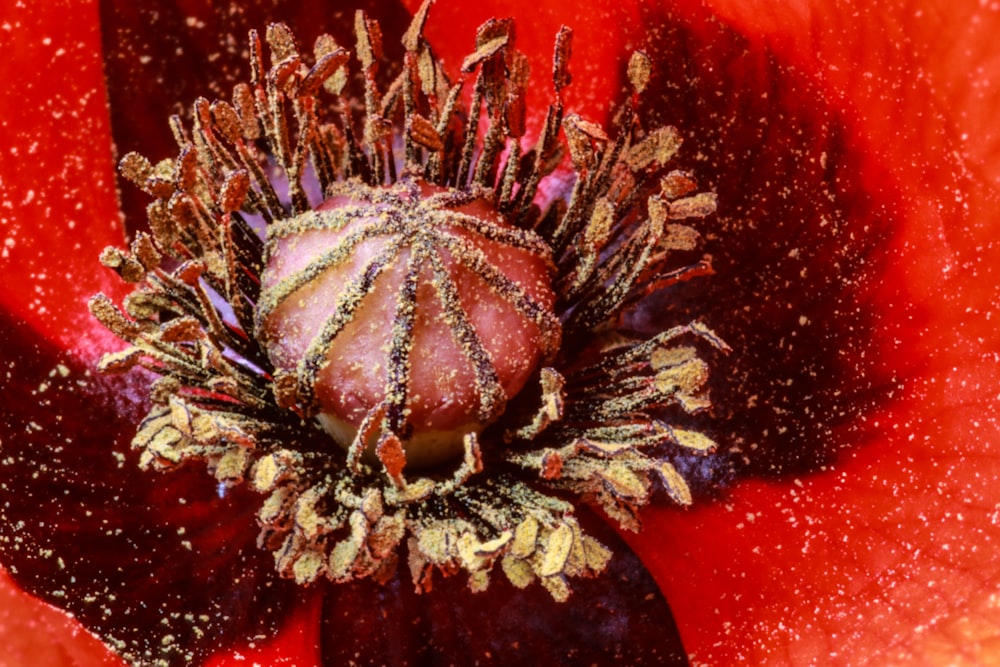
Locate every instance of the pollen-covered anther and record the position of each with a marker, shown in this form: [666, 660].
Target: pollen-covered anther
[418, 296]
[413, 304]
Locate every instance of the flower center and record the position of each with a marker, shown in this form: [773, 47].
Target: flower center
[413, 310]
[409, 308]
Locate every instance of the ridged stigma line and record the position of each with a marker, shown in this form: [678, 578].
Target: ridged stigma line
[398, 371]
[343, 312]
[476, 261]
[512, 236]
[492, 397]
[273, 297]
[314, 221]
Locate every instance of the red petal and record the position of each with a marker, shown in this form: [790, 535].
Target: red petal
[57, 191]
[52, 183]
[33, 633]
[887, 555]
[297, 643]
[135, 556]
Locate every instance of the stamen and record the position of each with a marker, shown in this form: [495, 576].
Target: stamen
[589, 414]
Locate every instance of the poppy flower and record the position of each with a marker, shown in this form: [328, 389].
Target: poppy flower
[853, 280]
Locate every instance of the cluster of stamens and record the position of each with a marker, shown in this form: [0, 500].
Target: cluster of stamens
[413, 202]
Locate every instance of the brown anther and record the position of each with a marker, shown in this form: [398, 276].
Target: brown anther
[639, 71]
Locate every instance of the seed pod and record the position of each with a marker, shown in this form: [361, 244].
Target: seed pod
[415, 306]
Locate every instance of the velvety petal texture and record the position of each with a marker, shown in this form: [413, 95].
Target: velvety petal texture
[53, 112]
[58, 206]
[33, 633]
[868, 208]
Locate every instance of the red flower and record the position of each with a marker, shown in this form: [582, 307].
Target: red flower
[852, 150]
